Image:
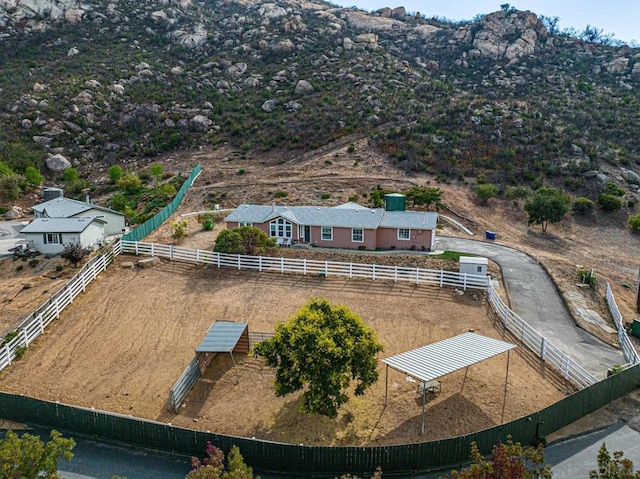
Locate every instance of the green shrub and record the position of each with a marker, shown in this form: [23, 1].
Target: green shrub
[71, 175]
[587, 277]
[115, 173]
[634, 222]
[130, 183]
[609, 202]
[351, 148]
[19, 267]
[33, 262]
[325, 196]
[59, 267]
[610, 188]
[582, 206]
[20, 350]
[33, 177]
[9, 336]
[281, 194]
[242, 171]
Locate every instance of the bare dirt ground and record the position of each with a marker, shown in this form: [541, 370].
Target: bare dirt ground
[120, 350]
[327, 177]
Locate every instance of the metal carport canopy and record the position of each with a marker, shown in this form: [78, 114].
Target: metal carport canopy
[439, 359]
[222, 337]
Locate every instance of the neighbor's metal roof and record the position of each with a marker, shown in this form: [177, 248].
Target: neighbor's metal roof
[349, 215]
[66, 207]
[439, 359]
[60, 225]
[222, 337]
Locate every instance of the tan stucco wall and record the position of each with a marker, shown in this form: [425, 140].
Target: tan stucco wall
[342, 239]
[388, 237]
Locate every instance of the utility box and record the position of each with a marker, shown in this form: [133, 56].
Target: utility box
[474, 265]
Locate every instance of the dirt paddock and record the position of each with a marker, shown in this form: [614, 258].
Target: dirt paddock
[121, 345]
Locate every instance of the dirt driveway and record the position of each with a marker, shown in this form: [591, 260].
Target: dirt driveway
[122, 344]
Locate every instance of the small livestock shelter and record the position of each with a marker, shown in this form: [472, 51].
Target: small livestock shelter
[49, 235]
[222, 337]
[473, 265]
[433, 361]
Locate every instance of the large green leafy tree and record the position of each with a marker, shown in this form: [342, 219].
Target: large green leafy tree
[548, 205]
[212, 467]
[244, 240]
[425, 196]
[28, 457]
[321, 349]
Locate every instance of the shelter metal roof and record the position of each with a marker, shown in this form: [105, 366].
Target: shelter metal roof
[473, 260]
[222, 337]
[439, 359]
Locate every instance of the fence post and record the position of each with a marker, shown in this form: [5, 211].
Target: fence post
[566, 367]
[83, 282]
[55, 303]
[218, 258]
[152, 249]
[464, 281]
[136, 247]
[6, 351]
[441, 277]
[326, 269]
[395, 274]
[417, 275]
[41, 323]
[238, 258]
[171, 252]
[197, 256]
[304, 266]
[260, 263]
[373, 273]
[543, 348]
[505, 319]
[24, 337]
[350, 270]
[281, 264]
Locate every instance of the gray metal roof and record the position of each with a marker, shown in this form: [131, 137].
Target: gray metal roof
[348, 215]
[439, 359]
[60, 225]
[66, 207]
[420, 220]
[222, 337]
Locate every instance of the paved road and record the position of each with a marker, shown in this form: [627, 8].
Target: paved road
[535, 299]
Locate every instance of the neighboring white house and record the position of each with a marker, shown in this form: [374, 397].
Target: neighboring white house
[68, 208]
[473, 265]
[49, 235]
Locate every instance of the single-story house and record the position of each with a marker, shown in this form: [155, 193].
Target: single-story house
[49, 235]
[349, 226]
[61, 207]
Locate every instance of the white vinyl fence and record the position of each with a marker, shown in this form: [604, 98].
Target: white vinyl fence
[34, 324]
[304, 266]
[541, 346]
[630, 354]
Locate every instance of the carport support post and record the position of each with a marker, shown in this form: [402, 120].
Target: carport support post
[234, 366]
[506, 381]
[386, 385]
[424, 403]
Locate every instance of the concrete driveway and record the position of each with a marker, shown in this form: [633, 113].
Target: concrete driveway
[535, 299]
[9, 234]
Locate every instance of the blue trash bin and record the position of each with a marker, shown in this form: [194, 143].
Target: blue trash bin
[490, 235]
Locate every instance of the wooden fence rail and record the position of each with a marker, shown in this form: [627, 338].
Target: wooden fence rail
[542, 347]
[630, 354]
[309, 267]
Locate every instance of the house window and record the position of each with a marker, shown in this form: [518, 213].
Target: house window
[280, 229]
[404, 233]
[327, 233]
[244, 224]
[52, 238]
[357, 235]
[479, 269]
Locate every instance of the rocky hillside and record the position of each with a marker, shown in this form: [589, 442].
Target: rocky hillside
[497, 100]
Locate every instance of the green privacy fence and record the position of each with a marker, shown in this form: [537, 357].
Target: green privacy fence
[155, 221]
[317, 461]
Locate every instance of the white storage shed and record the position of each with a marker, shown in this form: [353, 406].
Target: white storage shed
[473, 265]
